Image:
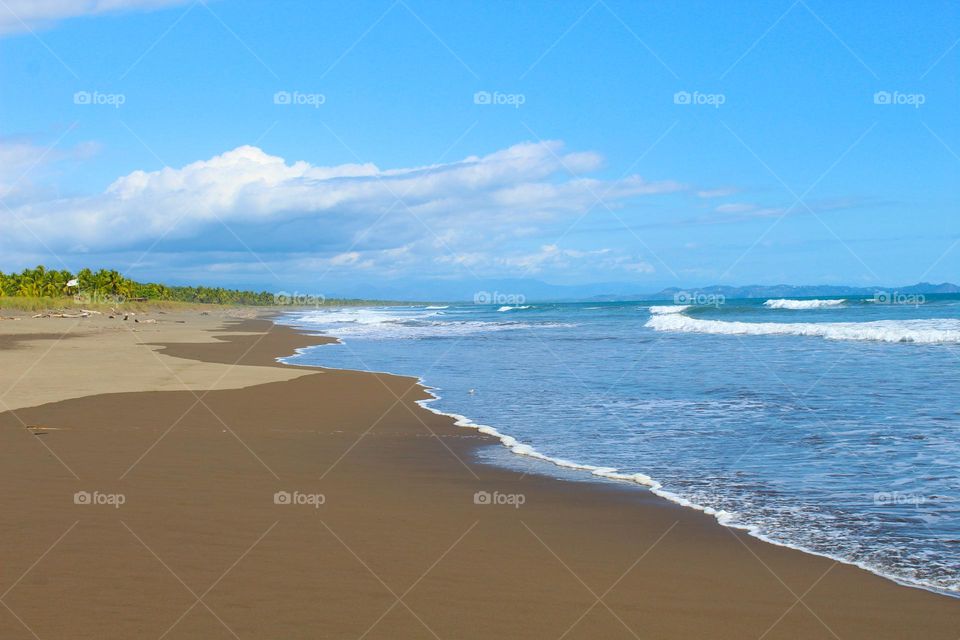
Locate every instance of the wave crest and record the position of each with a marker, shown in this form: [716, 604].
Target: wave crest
[668, 308]
[798, 305]
[917, 331]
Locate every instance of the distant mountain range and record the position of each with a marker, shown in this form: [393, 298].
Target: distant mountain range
[537, 291]
[785, 291]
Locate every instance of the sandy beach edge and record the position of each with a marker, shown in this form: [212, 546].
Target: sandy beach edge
[406, 548]
[533, 461]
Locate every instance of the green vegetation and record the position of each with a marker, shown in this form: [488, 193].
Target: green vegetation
[42, 288]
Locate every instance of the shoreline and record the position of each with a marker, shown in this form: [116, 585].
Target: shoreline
[399, 548]
[652, 486]
[599, 475]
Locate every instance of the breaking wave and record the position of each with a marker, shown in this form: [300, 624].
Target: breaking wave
[799, 305]
[669, 308]
[941, 331]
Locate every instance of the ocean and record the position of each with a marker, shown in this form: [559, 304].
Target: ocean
[831, 426]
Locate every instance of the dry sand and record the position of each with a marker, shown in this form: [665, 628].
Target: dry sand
[50, 359]
[398, 549]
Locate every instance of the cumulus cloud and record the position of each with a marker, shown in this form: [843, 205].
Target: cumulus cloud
[250, 197]
[25, 15]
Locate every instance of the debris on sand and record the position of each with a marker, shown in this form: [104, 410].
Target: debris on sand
[82, 314]
[40, 430]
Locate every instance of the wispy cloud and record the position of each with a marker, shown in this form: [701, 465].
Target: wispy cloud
[717, 193]
[25, 15]
[22, 162]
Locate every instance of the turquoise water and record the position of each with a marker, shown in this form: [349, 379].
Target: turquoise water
[828, 426]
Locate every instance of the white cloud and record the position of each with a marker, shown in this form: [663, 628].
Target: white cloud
[25, 15]
[272, 204]
[17, 160]
[550, 257]
[716, 193]
[22, 162]
[640, 266]
[736, 207]
[747, 210]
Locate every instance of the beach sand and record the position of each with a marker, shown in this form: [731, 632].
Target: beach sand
[195, 426]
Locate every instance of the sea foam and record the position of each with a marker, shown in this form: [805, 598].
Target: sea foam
[666, 426]
[942, 331]
[670, 308]
[800, 305]
[401, 323]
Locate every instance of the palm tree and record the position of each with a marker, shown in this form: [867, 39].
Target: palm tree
[85, 276]
[55, 283]
[29, 286]
[40, 282]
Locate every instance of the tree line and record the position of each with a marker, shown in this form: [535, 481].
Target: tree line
[108, 285]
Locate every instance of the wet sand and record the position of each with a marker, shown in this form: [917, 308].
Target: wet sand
[203, 547]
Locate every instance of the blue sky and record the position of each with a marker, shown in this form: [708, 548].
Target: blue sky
[426, 148]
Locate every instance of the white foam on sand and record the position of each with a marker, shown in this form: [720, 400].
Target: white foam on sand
[722, 517]
[669, 320]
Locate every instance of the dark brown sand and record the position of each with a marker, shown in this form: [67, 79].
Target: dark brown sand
[16, 341]
[399, 549]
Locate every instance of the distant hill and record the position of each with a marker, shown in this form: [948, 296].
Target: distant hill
[784, 291]
[531, 290]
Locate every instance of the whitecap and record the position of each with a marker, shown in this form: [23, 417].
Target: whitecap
[940, 331]
[669, 308]
[800, 305]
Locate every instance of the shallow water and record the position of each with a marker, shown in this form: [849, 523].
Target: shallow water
[831, 427]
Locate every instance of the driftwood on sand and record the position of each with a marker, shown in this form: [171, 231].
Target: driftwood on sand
[82, 314]
[86, 313]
